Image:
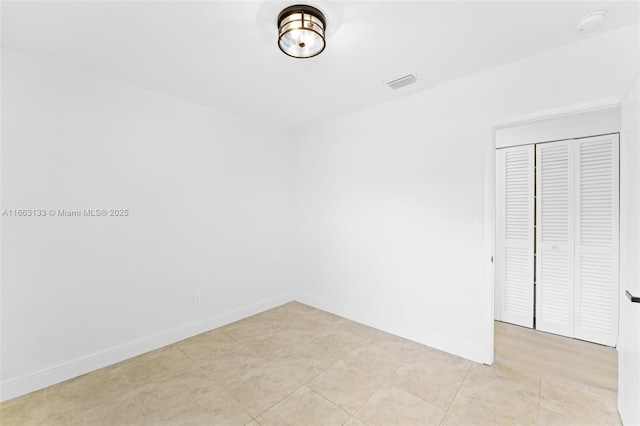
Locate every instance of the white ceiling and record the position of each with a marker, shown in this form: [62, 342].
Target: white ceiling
[224, 54]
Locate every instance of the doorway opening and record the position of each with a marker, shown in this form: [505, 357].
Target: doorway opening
[586, 366]
[557, 237]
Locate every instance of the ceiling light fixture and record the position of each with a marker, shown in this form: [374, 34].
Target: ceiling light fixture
[591, 20]
[301, 31]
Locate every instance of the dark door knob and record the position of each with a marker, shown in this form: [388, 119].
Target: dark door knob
[632, 298]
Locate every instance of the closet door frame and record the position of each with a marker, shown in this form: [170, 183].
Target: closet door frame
[599, 321]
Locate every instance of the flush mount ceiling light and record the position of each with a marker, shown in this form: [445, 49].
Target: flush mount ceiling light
[301, 31]
[591, 20]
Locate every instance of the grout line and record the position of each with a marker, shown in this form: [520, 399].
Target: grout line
[365, 403]
[330, 401]
[46, 405]
[313, 377]
[230, 337]
[458, 390]
[280, 400]
[539, 399]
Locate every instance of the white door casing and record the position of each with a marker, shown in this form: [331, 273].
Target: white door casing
[629, 327]
[497, 170]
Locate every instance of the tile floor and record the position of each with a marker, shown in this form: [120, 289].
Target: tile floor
[590, 367]
[296, 365]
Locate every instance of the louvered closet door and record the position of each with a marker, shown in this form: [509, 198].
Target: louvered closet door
[597, 234]
[554, 238]
[514, 248]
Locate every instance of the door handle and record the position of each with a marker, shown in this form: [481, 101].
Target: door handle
[631, 297]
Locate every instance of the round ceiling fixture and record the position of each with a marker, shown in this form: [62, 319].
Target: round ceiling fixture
[591, 20]
[301, 31]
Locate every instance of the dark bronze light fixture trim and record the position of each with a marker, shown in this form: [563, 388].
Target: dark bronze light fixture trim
[301, 31]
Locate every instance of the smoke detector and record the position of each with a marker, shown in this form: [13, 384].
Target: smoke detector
[591, 20]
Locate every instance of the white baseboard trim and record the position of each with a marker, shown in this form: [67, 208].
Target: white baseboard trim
[437, 341]
[41, 379]
[47, 377]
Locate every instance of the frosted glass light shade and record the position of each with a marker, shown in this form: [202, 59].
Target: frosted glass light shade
[301, 31]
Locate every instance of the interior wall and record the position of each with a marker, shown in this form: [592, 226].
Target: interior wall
[388, 198]
[209, 197]
[387, 206]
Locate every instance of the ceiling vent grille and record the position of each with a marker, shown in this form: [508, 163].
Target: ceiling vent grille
[402, 81]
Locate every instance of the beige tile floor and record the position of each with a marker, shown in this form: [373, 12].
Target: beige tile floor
[593, 368]
[296, 365]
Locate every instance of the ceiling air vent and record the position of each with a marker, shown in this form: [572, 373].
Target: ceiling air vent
[402, 81]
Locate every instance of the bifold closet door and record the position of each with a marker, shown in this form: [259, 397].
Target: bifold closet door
[596, 238]
[555, 237]
[514, 223]
[577, 187]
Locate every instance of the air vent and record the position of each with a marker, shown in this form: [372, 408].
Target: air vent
[402, 81]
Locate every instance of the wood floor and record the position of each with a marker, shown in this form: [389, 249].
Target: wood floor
[587, 366]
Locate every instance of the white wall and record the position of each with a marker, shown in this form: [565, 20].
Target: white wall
[382, 205]
[210, 201]
[385, 196]
[629, 347]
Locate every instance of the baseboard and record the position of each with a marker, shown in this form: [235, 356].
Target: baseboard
[44, 378]
[438, 341]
